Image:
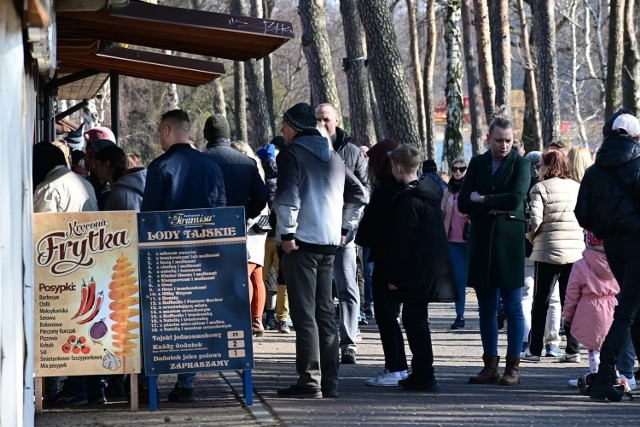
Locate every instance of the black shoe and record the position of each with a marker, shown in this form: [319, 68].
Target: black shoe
[362, 319]
[181, 394]
[603, 389]
[413, 383]
[300, 392]
[348, 357]
[333, 393]
[458, 323]
[115, 390]
[368, 312]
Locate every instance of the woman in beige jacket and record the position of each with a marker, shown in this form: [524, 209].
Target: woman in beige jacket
[558, 242]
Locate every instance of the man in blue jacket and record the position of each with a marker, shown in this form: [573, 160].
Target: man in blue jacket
[181, 178]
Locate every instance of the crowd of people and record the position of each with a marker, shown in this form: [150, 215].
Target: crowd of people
[547, 241]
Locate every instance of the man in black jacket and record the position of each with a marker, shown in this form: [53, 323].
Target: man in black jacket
[608, 205]
[242, 181]
[345, 266]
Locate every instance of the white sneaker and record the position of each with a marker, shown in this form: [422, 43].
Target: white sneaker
[526, 356]
[569, 358]
[631, 382]
[386, 379]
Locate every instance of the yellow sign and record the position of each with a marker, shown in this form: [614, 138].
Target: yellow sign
[87, 312]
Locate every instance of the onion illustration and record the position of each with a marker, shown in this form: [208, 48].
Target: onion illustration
[98, 330]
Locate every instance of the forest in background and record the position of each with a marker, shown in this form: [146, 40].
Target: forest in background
[581, 49]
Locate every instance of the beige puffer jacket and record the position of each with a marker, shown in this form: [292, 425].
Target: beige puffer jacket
[555, 233]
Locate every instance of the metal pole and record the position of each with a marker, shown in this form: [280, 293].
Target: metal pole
[115, 104]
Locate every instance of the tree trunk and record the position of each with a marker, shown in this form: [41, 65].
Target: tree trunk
[268, 6]
[389, 71]
[219, 104]
[501, 52]
[416, 69]
[315, 42]
[530, 83]
[613, 100]
[261, 132]
[378, 119]
[362, 122]
[485, 62]
[453, 143]
[588, 13]
[473, 84]
[429, 66]
[575, 93]
[631, 71]
[240, 101]
[547, 70]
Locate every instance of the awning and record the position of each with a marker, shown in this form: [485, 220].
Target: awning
[210, 34]
[146, 65]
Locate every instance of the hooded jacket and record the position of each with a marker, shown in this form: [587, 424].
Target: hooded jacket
[315, 201]
[127, 192]
[603, 207]
[590, 299]
[419, 262]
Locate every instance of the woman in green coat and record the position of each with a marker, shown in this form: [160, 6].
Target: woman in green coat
[493, 196]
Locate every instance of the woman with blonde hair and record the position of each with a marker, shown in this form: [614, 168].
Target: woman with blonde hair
[580, 158]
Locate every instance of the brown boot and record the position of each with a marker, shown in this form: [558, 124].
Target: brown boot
[257, 328]
[511, 371]
[489, 373]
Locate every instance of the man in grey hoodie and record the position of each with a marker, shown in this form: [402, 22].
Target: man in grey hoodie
[316, 205]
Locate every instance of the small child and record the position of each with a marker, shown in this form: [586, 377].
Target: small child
[420, 270]
[590, 300]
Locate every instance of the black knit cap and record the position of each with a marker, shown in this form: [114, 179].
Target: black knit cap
[301, 117]
[429, 166]
[216, 127]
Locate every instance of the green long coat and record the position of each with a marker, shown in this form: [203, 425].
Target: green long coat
[496, 242]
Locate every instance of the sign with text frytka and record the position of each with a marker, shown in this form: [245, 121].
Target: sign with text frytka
[195, 300]
[87, 314]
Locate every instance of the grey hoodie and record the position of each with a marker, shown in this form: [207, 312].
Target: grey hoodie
[316, 200]
[126, 193]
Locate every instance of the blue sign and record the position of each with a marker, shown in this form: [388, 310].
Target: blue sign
[194, 291]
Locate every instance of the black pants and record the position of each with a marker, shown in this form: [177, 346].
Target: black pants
[386, 314]
[623, 255]
[546, 275]
[415, 318]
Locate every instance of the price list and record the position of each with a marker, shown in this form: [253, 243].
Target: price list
[195, 303]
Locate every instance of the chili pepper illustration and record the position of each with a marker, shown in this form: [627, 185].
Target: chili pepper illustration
[83, 299]
[91, 298]
[96, 309]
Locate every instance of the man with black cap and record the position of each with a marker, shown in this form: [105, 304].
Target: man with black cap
[609, 206]
[316, 206]
[345, 267]
[242, 181]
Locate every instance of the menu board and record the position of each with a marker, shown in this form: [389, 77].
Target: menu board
[87, 314]
[195, 297]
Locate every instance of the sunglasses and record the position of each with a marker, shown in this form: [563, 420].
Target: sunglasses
[459, 169]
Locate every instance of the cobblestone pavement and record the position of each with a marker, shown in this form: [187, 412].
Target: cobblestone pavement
[543, 398]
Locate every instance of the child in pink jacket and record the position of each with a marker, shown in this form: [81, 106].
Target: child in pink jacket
[591, 299]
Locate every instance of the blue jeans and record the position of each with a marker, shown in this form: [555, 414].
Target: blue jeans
[458, 253]
[488, 306]
[345, 275]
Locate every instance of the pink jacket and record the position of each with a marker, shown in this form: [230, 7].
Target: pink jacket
[590, 299]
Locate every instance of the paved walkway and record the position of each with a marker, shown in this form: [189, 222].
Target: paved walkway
[543, 398]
